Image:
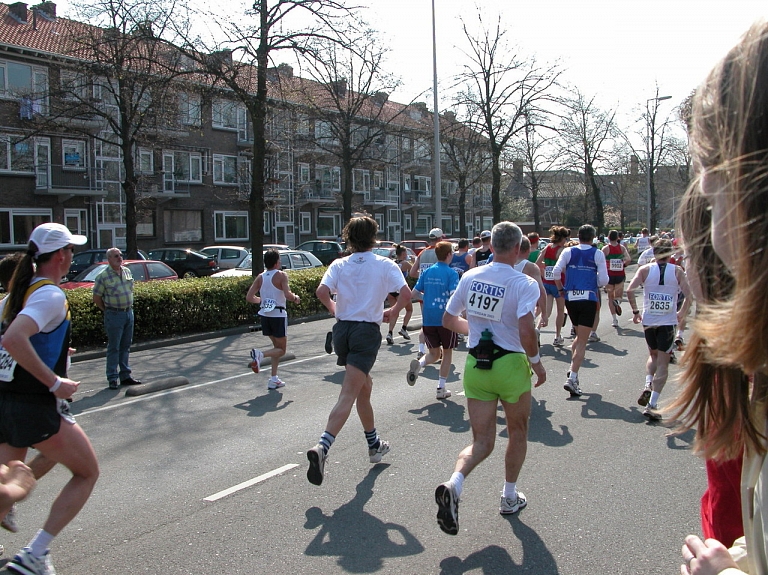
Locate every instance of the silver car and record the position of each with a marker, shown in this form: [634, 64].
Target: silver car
[290, 260]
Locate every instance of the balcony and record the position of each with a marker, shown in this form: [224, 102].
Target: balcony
[57, 180]
[161, 186]
[482, 202]
[310, 193]
[379, 197]
[417, 199]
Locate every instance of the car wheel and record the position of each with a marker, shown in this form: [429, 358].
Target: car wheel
[189, 274]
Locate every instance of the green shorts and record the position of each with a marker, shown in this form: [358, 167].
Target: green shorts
[509, 378]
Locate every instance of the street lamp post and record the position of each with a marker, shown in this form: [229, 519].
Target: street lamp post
[649, 151]
[437, 187]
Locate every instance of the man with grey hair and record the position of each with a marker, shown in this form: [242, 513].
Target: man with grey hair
[113, 294]
[585, 273]
[499, 302]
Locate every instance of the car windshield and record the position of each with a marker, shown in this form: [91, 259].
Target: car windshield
[382, 252]
[246, 263]
[90, 275]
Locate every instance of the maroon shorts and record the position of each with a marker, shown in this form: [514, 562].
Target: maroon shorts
[439, 336]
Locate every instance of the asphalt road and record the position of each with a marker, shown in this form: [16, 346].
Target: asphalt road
[608, 491]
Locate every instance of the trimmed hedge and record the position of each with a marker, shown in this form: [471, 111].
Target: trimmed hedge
[171, 308]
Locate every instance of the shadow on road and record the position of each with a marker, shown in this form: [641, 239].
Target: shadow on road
[263, 404]
[445, 413]
[494, 559]
[595, 408]
[540, 428]
[359, 540]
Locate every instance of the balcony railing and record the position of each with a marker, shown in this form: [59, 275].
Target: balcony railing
[68, 180]
[381, 197]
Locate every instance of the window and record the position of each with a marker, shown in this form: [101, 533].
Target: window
[230, 226]
[324, 133]
[379, 221]
[328, 225]
[423, 184]
[183, 226]
[302, 125]
[183, 166]
[158, 270]
[421, 150]
[17, 224]
[224, 169]
[74, 86]
[423, 225]
[407, 225]
[267, 227]
[361, 181]
[378, 180]
[16, 154]
[145, 161]
[329, 177]
[448, 225]
[189, 109]
[305, 222]
[224, 114]
[19, 80]
[145, 223]
[73, 154]
[303, 173]
[243, 125]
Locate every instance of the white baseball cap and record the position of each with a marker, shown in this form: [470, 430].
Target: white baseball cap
[436, 234]
[51, 237]
[485, 234]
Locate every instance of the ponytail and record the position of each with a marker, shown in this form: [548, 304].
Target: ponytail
[20, 281]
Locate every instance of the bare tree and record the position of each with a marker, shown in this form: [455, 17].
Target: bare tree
[240, 61]
[623, 184]
[467, 156]
[656, 149]
[504, 87]
[121, 86]
[586, 135]
[347, 95]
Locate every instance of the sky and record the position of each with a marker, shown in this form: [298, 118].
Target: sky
[615, 50]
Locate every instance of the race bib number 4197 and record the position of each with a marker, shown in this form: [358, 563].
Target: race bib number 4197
[486, 300]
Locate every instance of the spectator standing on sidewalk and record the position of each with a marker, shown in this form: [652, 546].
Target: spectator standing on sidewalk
[361, 282]
[274, 291]
[499, 303]
[36, 328]
[113, 294]
[436, 283]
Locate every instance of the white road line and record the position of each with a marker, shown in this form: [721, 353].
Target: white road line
[254, 481]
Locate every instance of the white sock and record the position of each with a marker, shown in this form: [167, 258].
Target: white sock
[423, 361]
[274, 378]
[40, 543]
[510, 489]
[422, 348]
[654, 398]
[648, 380]
[680, 333]
[574, 375]
[441, 383]
[457, 480]
[614, 316]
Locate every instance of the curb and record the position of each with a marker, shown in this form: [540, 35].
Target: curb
[156, 344]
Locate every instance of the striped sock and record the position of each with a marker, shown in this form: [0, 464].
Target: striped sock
[373, 439]
[326, 440]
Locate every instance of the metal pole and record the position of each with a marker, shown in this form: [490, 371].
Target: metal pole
[437, 187]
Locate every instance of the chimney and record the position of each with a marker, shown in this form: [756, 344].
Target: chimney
[517, 169]
[380, 98]
[339, 87]
[285, 70]
[450, 116]
[47, 10]
[220, 58]
[634, 164]
[420, 106]
[18, 11]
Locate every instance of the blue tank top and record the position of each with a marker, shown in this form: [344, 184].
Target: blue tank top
[581, 275]
[459, 263]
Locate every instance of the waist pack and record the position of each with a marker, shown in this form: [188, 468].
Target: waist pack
[486, 354]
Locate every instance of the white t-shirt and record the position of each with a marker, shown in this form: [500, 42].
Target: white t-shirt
[46, 307]
[361, 282]
[495, 297]
[646, 257]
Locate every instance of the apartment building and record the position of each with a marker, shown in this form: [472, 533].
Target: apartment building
[192, 155]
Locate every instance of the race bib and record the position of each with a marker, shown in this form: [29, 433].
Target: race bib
[549, 273]
[485, 300]
[616, 265]
[659, 303]
[578, 295]
[268, 304]
[7, 365]
[423, 267]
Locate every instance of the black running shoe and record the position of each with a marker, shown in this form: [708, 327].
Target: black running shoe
[329, 342]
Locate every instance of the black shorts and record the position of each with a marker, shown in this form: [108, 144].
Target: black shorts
[356, 343]
[27, 419]
[581, 312]
[615, 280]
[660, 337]
[438, 336]
[274, 326]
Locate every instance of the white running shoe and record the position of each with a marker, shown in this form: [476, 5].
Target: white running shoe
[413, 372]
[510, 505]
[593, 337]
[558, 342]
[376, 453]
[651, 412]
[27, 564]
[447, 508]
[257, 356]
[405, 334]
[615, 322]
[275, 384]
[390, 340]
[572, 386]
[443, 393]
[9, 521]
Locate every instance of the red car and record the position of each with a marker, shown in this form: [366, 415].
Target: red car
[142, 271]
[415, 245]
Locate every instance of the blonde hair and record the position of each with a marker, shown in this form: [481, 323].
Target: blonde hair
[729, 139]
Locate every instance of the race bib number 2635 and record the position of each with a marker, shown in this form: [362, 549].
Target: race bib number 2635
[485, 300]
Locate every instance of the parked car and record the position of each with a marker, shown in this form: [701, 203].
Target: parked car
[415, 245]
[384, 244]
[289, 259]
[81, 261]
[324, 250]
[278, 247]
[389, 252]
[227, 257]
[543, 243]
[141, 270]
[187, 263]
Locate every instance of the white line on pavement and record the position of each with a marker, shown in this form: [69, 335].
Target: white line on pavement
[254, 481]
